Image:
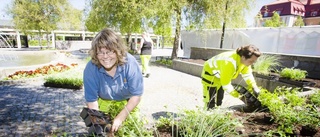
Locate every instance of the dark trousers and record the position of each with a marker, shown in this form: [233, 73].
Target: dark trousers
[216, 97]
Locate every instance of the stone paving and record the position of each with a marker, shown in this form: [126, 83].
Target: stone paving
[35, 110]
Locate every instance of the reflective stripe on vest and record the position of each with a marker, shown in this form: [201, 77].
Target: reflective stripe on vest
[248, 76]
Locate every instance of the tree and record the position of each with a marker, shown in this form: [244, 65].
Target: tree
[299, 22]
[258, 19]
[122, 15]
[164, 20]
[71, 19]
[160, 20]
[163, 15]
[203, 14]
[275, 21]
[223, 14]
[40, 15]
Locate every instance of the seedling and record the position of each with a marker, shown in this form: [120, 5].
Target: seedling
[293, 74]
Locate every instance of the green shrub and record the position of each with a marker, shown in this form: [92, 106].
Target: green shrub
[265, 64]
[36, 42]
[288, 109]
[293, 74]
[166, 62]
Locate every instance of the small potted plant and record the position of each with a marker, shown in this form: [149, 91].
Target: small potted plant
[265, 65]
[71, 79]
[294, 76]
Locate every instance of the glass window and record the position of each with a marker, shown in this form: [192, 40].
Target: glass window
[279, 12]
[265, 14]
[314, 13]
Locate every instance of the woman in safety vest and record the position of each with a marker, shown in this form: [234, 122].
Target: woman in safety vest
[218, 72]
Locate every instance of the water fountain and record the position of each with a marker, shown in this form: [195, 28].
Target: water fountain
[4, 43]
[15, 59]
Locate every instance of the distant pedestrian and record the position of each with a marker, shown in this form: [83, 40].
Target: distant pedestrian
[218, 72]
[146, 47]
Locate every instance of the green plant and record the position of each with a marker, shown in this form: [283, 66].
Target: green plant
[36, 42]
[293, 74]
[202, 123]
[288, 109]
[166, 62]
[265, 64]
[70, 78]
[133, 126]
[315, 98]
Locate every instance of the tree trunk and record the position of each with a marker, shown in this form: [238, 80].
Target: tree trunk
[40, 42]
[174, 54]
[129, 41]
[223, 27]
[47, 35]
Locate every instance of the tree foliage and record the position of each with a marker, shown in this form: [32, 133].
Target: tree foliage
[275, 21]
[41, 15]
[165, 15]
[299, 22]
[71, 19]
[123, 15]
[210, 14]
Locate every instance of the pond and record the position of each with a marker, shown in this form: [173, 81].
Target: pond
[25, 58]
[12, 61]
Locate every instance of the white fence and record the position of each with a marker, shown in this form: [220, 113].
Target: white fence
[288, 40]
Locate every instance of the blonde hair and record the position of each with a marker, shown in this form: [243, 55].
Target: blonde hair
[146, 36]
[108, 39]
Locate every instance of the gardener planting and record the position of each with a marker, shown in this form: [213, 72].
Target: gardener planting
[218, 72]
[112, 76]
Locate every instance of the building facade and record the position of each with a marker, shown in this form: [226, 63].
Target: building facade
[289, 10]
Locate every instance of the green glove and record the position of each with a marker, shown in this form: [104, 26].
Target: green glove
[235, 94]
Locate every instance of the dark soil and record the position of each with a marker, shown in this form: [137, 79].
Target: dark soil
[56, 85]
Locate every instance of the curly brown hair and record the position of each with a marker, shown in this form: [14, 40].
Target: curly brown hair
[108, 39]
[248, 51]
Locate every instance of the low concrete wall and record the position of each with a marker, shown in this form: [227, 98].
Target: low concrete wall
[72, 45]
[309, 63]
[187, 67]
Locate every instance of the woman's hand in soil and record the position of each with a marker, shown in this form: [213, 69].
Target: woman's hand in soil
[116, 124]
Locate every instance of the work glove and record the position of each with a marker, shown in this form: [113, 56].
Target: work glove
[235, 94]
[256, 91]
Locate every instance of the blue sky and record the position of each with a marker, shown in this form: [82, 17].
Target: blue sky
[80, 4]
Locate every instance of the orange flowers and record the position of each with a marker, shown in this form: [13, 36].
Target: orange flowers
[41, 71]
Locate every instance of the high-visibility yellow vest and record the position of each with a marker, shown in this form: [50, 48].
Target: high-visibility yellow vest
[221, 69]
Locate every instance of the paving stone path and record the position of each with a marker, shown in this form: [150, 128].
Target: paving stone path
[35, 110]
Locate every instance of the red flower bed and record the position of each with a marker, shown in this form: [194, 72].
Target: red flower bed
[40, 71]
